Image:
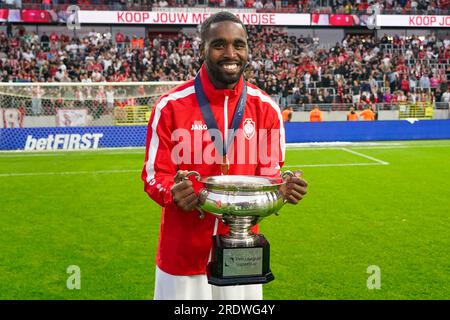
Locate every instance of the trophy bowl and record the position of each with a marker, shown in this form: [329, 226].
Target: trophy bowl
[241, 195]
[240, 256]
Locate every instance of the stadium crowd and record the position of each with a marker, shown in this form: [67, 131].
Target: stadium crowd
[307, 6]
[293, 70]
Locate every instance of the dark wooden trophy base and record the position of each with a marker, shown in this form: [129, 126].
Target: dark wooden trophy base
[232, 266]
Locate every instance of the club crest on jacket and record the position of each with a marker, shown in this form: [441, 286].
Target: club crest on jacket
[249, 128]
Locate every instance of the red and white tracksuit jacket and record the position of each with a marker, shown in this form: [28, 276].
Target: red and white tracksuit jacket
[185, 240]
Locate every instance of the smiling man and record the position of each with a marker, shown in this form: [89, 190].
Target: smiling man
[216, 124]
[224, 48]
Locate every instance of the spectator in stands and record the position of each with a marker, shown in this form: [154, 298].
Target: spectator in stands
[424, 81]
[401, 98]
[258, 4]
[53, 39]
[352, 115]
[411, 98]
[356, 92]
[36, 99]
[284, 93]
[404, 84]
[434, 82]
[269, 5]
[367, 114]
[239, 4]
[44, 40]
[163, 4]
[273, 89]
[393, 80]
[315, 115]
[120, 39]
[446, 96]
[373, 85]
[412, 83]
[287, 114]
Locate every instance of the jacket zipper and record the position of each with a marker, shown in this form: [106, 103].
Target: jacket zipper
[225, 120]
[225, 136]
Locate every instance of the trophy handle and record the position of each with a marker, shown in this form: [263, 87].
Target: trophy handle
[284, 176]
[197, 177]
[192, 173]
[287, 173]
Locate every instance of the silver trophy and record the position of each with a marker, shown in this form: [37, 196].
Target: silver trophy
[241, 256]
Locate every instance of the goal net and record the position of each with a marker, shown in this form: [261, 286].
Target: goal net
[80, 104]
[43, 110]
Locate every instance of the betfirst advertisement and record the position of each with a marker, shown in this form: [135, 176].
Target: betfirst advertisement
[71, 138]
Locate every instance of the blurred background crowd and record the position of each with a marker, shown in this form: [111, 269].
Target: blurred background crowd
[293, 70]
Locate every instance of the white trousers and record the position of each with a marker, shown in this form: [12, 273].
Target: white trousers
[170, 287]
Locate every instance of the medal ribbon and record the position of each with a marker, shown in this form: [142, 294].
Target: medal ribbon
[210, 121]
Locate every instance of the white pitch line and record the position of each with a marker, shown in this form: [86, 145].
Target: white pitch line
[60, 153]
[363, 147]
[403, 147]
[338, 144]
[289, 146]
[334, 165]
[23, 174]
[43, 153]
[365, 156]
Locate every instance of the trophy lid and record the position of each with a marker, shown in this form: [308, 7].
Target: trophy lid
[241, 182]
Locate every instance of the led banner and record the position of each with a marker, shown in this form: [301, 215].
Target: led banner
[190, 17]
[379, 21]
[384, 20]
[187, 18]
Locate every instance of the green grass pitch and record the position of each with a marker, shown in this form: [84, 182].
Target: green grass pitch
[378, 204]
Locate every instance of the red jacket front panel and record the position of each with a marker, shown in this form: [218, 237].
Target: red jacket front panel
[185, 239]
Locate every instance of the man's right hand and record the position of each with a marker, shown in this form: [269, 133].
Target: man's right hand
[183, 193]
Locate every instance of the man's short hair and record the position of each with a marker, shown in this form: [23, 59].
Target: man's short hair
[216, 18]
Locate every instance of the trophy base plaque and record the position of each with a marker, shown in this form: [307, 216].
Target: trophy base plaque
[241, 265]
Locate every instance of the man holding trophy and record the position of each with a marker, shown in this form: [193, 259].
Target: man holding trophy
[214, 151]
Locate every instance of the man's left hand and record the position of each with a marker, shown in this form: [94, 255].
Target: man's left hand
[295, 188]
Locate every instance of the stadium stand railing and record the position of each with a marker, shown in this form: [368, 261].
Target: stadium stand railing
[405, 109]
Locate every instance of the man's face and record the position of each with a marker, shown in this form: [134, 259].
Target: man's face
[225, 52]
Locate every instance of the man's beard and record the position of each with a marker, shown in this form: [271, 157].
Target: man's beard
[224, 78]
